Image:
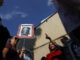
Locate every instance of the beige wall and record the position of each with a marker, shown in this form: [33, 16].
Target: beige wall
[44, 50]
[54, 28]
[39, 52]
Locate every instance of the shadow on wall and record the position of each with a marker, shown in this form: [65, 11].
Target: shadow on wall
[29, 43]
[37, 31]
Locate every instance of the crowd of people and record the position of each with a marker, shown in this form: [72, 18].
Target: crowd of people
[8, 50]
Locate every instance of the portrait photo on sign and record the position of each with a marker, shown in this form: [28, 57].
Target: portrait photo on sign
[26, 31]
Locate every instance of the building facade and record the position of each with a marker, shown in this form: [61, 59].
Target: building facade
[54, 28]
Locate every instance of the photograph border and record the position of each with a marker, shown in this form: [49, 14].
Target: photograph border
[19, 29]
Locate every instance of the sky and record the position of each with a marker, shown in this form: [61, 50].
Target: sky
[16, 12]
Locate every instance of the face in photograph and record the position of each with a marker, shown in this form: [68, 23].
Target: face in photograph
[25, 31]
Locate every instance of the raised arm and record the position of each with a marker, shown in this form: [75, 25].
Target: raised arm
[21, 54]
[47, 37]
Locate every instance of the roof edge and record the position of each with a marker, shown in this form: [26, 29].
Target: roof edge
[46, 19]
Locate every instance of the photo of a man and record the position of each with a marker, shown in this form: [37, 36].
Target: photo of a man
[25, 31]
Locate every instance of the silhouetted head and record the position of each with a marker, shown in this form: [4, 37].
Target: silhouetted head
[64, 39]
[14, 40]
[43, 58]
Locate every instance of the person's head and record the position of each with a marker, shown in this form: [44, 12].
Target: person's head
[43, 58]
[14, 40]
[24, 30]
[64, 39]
[52, 46]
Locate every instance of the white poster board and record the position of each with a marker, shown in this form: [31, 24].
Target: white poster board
[26, 31]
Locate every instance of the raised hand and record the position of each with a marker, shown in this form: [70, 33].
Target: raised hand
[47, 37]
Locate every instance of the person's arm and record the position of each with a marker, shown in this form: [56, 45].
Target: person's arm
[4, 53]
[47, 37]
[21, 54]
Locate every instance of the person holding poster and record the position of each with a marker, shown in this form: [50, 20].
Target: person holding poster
[10, 52]
[26, 31]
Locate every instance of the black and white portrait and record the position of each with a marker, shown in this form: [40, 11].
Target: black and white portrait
[26, 31]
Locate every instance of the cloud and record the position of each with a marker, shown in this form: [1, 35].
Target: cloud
[49, 2]
[6, 16]
[13, 14]
[22, 14]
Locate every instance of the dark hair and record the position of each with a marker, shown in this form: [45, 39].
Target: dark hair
[56, 46]
[50, 47]
[12, 37]
[43, 58]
